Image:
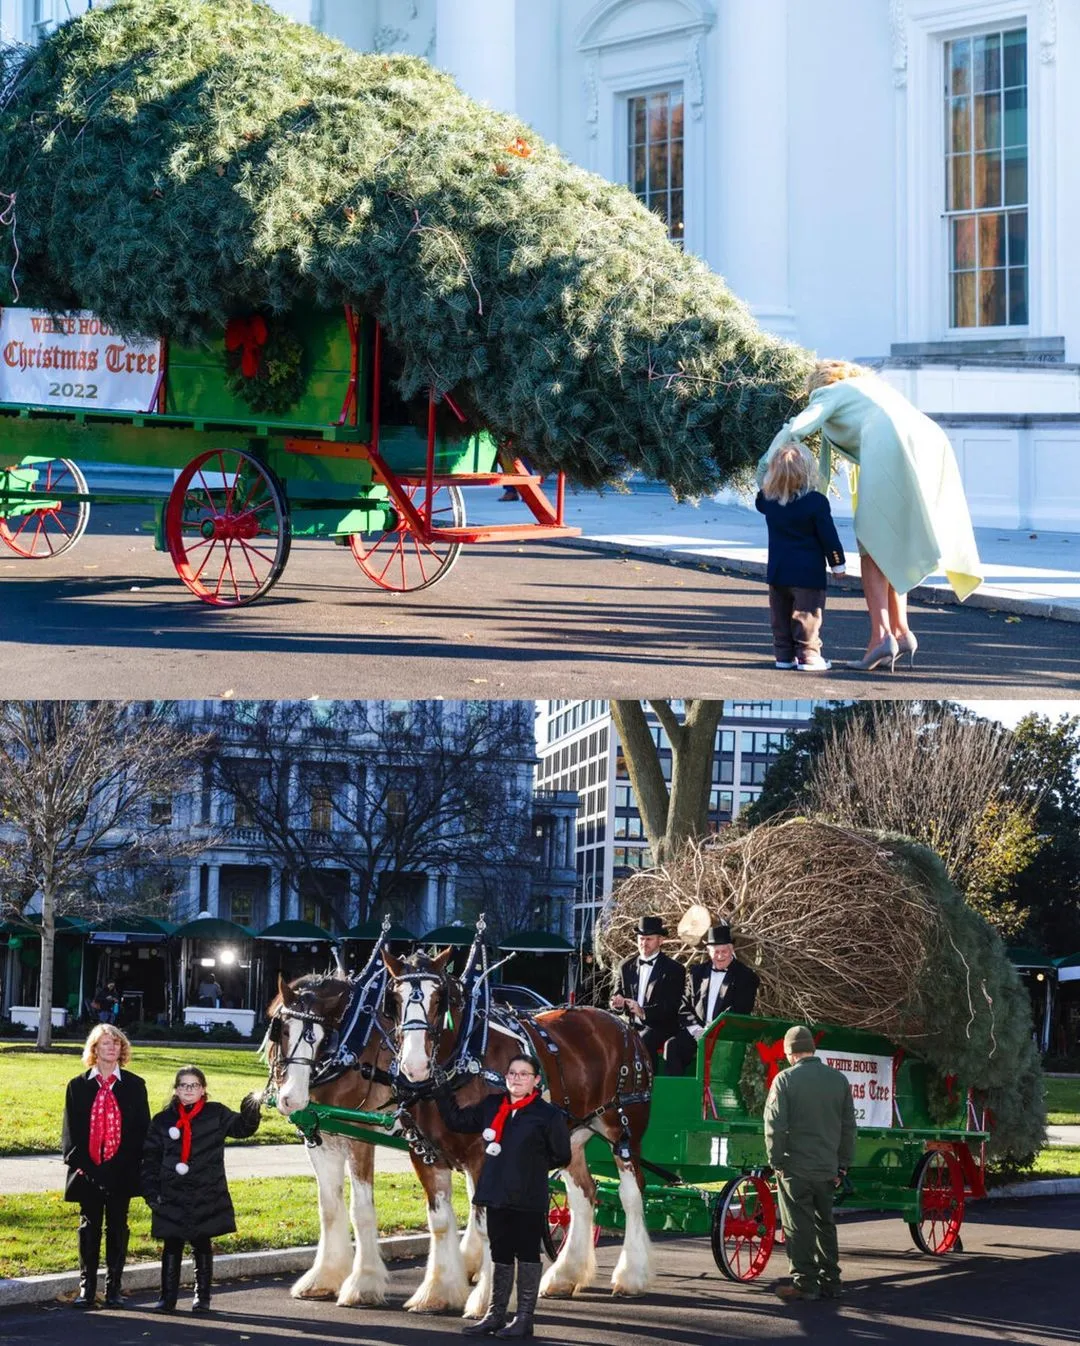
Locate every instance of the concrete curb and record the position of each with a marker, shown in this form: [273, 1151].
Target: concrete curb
[21, 1290]
[997, 600]
[1037, 1187]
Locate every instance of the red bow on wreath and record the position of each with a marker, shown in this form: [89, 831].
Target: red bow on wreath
[246, 335]
[771, 1053]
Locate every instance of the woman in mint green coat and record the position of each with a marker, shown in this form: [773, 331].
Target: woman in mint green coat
[911, 516]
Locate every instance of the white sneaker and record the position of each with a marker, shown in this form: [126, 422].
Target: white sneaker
[817, 665]
[781, 663]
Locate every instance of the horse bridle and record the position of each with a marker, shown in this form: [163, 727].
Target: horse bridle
[418, 1022]
[310, 1020]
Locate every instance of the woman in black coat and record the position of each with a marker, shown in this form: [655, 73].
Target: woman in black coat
[105, 1119]
[183, 1180]
[527, 1137]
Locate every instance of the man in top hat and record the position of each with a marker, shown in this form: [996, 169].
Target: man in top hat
[651, 987]
[810, 1143]
[720, 984]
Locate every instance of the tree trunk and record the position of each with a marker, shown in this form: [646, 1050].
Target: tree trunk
[48, 950]
[670, 816]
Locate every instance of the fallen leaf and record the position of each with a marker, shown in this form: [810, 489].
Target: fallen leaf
[1012, 619]
[226, 695]
[478, 679]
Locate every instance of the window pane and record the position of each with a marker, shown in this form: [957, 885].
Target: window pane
[1016, 117]
[959, 182]
[1018, 238]
[959, 58]
[1015, 58]
[637, 170]
[1016, 185]
[963, 314]
[963, 245]
[677, 164]
[991, 240]
[658, 166]
[960, 116]
[987, 180]
[675, 216]
[658, 116]
[1018, 299]
[987, 121]
[637, 121]
[676, 116]
[992, 299]
[986, 62]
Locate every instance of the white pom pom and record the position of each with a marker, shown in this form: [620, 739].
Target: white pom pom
[174, 1132]
[488, 1134]
[181, 1168]
[494, 1148]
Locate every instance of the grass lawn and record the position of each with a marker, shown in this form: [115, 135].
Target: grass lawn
[37, 1232]
[1063, 1161]
[32, 1085]
[1063, 1101]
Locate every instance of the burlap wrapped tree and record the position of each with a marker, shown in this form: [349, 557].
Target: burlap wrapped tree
[180, 163]
[864, 930]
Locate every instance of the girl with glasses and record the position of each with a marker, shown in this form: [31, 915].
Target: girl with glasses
[183, 1180]
[526, 1138]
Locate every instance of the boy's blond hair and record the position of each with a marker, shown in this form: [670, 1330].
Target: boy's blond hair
[89, 1055]
[790, 474]
[832, 371]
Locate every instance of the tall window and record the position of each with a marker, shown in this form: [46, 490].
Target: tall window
[42, 15]
[655, 150]
[986, 178]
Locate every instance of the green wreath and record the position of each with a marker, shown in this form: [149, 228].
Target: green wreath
[265, 365]
[752, 1088]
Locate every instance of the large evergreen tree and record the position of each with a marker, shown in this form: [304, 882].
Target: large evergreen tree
[177, 163]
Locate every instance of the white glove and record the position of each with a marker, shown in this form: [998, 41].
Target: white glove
[696, 1031]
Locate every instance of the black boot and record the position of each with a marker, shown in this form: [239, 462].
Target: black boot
[116, 1246]
[89, 1254]
[171, 1259]
[528, 1287]
[204, 1275]
[502, 1282]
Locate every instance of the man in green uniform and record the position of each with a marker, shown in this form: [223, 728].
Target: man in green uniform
[810, 1142]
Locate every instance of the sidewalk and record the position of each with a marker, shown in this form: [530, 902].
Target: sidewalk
[1027, 573]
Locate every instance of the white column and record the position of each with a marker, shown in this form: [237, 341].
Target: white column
[273, 898]
[213, 889]
[193, 906]
[290, 898]
[475, 42]
[752, 161]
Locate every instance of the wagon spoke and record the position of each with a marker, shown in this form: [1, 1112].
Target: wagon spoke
[40, 533]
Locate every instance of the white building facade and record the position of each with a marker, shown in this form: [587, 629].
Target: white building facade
[884, 180]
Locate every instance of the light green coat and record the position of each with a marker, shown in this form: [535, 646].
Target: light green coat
[910, 512]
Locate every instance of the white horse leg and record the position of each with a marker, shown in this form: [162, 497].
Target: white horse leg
[575, 1267]
[445, 1285]
[369, 1278]
[633, 1271]
[480, 1300]
[334, 1254]
[474, 1240]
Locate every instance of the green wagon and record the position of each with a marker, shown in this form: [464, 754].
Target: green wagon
[343, 462]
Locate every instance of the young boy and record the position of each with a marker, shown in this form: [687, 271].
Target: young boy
[802, 540]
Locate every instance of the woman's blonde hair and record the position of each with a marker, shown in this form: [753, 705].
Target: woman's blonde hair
[89, 1055]
[790, 474]
[832, 371]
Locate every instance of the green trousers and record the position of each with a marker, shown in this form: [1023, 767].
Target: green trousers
[806, 1209]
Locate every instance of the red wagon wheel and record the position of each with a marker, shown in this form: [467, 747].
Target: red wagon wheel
[397, 559]
[939, 1181]
[227, 527]
[558, 1225]
[40, 534]
[744, 1228]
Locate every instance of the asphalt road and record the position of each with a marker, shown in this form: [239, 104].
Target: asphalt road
[1016, 1281]
[548, 619]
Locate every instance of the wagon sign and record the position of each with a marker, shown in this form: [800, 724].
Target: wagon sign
[74, 360]
[871, 1080]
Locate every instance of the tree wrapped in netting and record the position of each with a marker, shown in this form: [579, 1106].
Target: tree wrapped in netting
[178, 164]
[864, 930]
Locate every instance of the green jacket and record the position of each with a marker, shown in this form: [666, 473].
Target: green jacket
[810, 1121]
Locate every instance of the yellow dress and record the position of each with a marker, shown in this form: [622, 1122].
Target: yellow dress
[911, 515]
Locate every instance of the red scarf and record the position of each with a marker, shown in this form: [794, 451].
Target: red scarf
[493, 1133]
[104, 1122]
[185, 1116]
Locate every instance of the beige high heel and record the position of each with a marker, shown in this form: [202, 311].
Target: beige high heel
[907, 644]
[887, 652]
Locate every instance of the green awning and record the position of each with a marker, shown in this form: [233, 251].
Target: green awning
[459, 936]
[29, 925]
[213, 927]
[1069, 960]
[1023, 957]
[137, 925]
[371, 930]
[304, 932]
[534, 941]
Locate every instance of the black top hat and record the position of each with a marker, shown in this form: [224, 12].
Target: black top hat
[718, 934]
[649, 925]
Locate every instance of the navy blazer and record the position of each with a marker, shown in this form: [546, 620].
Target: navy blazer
[802, 539]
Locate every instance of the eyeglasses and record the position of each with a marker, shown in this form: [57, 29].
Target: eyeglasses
[520, 1074]
[194, 1085]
